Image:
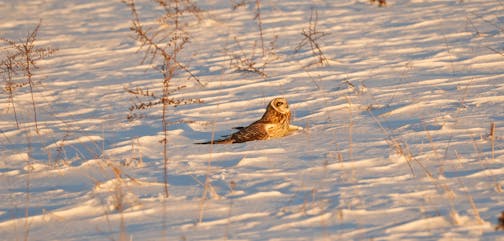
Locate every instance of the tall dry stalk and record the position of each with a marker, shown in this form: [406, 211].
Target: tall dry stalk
[241, 61]
[492, 139]
[259, 25]
[311, 37]
[18, 63]
[21, 58]
[248, 61]
[29, 170]
[350, 128]
[162, 46]
[8, 71]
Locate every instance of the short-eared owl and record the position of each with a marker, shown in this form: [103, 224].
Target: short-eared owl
[274, 123]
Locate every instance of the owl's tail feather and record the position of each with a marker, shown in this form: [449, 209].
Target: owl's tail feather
[221, 141]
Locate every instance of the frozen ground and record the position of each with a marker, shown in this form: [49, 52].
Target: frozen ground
[396, 143]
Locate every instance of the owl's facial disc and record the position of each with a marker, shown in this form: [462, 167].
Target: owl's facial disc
[280, 105]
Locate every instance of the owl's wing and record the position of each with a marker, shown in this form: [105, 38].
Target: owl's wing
[255, 131]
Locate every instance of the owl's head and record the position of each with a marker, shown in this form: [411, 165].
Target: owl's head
[280, 105]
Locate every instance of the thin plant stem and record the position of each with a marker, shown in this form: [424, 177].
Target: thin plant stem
[259, 24]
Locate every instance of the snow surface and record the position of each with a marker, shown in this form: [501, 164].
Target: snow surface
[396, 143]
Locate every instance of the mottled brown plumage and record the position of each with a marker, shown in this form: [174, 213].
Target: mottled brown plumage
[274, 123]
[500, 222]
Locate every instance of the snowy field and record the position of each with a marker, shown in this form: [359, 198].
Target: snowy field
[397, 141]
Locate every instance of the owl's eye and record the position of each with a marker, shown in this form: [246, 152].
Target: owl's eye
[278, 104]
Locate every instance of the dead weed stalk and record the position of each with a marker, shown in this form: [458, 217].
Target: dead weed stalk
[19, 65]
[162, 46]
[312, 37]
[249, 61]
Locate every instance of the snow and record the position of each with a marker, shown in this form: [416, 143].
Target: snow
[396, 142]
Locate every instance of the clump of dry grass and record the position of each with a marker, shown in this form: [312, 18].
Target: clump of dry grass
[116, 199]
